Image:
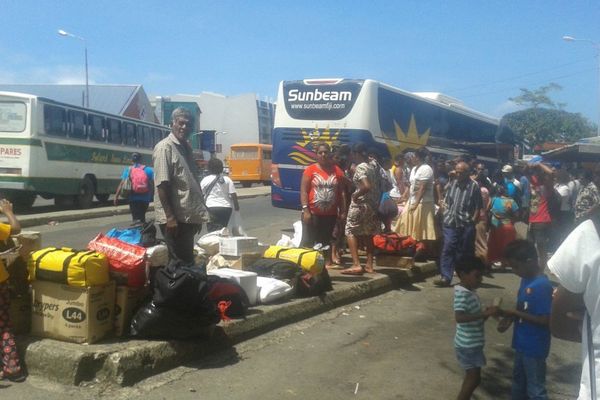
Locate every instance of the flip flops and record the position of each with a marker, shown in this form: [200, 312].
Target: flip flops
[353, 271]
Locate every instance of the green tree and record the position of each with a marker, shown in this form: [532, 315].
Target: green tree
[538, 125]
[538, 97]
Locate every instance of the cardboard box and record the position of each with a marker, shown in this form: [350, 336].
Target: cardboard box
[246, 279]
[238, 245]
[20, 314]
[244, 261]
[390, 260]
[72, 314]
[127, 301]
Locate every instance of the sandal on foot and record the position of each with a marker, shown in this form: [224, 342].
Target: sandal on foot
[352, 271]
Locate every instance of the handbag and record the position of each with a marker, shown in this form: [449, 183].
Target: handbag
[126, 188]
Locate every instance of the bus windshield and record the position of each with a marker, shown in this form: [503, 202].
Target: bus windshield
[12, 116]
[244, 153]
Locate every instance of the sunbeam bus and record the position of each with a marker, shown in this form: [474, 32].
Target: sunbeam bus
[385, 118]
[66, 152]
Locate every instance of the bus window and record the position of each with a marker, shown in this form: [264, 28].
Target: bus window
[145, 137]
[114, 131]
[242, 153]
[54, 120]
[77, 120]
[129, 133]
[266, 154]
[12, 116]
[96, 124]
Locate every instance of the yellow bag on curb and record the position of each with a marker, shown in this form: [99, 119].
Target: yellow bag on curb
[68, 266]
[309, 260]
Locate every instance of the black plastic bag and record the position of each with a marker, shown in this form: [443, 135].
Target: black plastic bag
[180, 286]
[148, 231]
[152, 322]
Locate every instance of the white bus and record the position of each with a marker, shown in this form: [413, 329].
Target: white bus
[391, 120]
[65, 152]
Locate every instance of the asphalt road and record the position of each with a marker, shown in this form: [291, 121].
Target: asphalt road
[258, 216]
[394, 346]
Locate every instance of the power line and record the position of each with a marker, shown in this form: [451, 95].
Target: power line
[533, 83]
[516, 77]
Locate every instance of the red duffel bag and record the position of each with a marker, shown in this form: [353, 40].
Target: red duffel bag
[394, 243]
[127, 261]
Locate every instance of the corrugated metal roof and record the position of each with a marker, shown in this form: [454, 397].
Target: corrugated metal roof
[111, 99]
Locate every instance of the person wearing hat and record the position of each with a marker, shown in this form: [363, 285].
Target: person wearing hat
[512, 185]
[140, 198]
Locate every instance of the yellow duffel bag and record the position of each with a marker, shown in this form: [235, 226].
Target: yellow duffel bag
[308, 259]
[68, 266]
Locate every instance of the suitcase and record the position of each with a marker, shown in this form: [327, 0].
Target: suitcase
[68, 266]
[309, 260]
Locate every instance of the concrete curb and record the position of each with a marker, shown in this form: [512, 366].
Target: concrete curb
[78, 215]
[124, 363]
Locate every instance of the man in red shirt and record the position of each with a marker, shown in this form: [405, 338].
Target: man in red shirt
[323, 200]
[542, 188]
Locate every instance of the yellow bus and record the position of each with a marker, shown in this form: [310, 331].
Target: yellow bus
[250, 163]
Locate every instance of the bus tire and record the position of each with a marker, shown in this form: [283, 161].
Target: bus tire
[85, 197]
[266, 183]
[102, 197]
[246, 184]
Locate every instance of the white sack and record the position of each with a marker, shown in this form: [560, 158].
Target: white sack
[271, 289]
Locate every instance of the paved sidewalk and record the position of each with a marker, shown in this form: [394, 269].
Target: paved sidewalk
[125, 362]
[76, 215]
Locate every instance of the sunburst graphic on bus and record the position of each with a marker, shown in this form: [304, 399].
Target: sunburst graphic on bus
[302, 152]
[411, 139]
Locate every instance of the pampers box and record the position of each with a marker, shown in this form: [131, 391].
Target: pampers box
[70, 313]
[246, 279]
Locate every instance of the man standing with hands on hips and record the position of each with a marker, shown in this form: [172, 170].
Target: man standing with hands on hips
[180, 209]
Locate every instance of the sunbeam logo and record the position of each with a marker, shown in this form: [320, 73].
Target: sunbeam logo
[303, 153]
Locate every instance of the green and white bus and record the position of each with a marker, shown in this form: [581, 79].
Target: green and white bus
[65, 152]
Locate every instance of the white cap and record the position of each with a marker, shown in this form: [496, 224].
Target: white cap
[507, 169]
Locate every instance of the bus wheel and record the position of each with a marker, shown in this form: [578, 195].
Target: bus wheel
[266, 183]
[102, 198]
[246, 184]
[86, 193]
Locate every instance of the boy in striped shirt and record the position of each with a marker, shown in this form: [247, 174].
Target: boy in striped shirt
[469, 315]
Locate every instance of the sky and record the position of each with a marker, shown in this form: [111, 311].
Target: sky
[481, 52]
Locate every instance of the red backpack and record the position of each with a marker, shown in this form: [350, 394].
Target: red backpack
[139, 180]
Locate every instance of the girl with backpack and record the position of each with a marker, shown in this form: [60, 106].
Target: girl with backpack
[137, 185]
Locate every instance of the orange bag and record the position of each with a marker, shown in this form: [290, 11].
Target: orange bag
[126, 261]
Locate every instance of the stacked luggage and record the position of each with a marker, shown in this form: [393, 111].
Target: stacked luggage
[124, 283]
